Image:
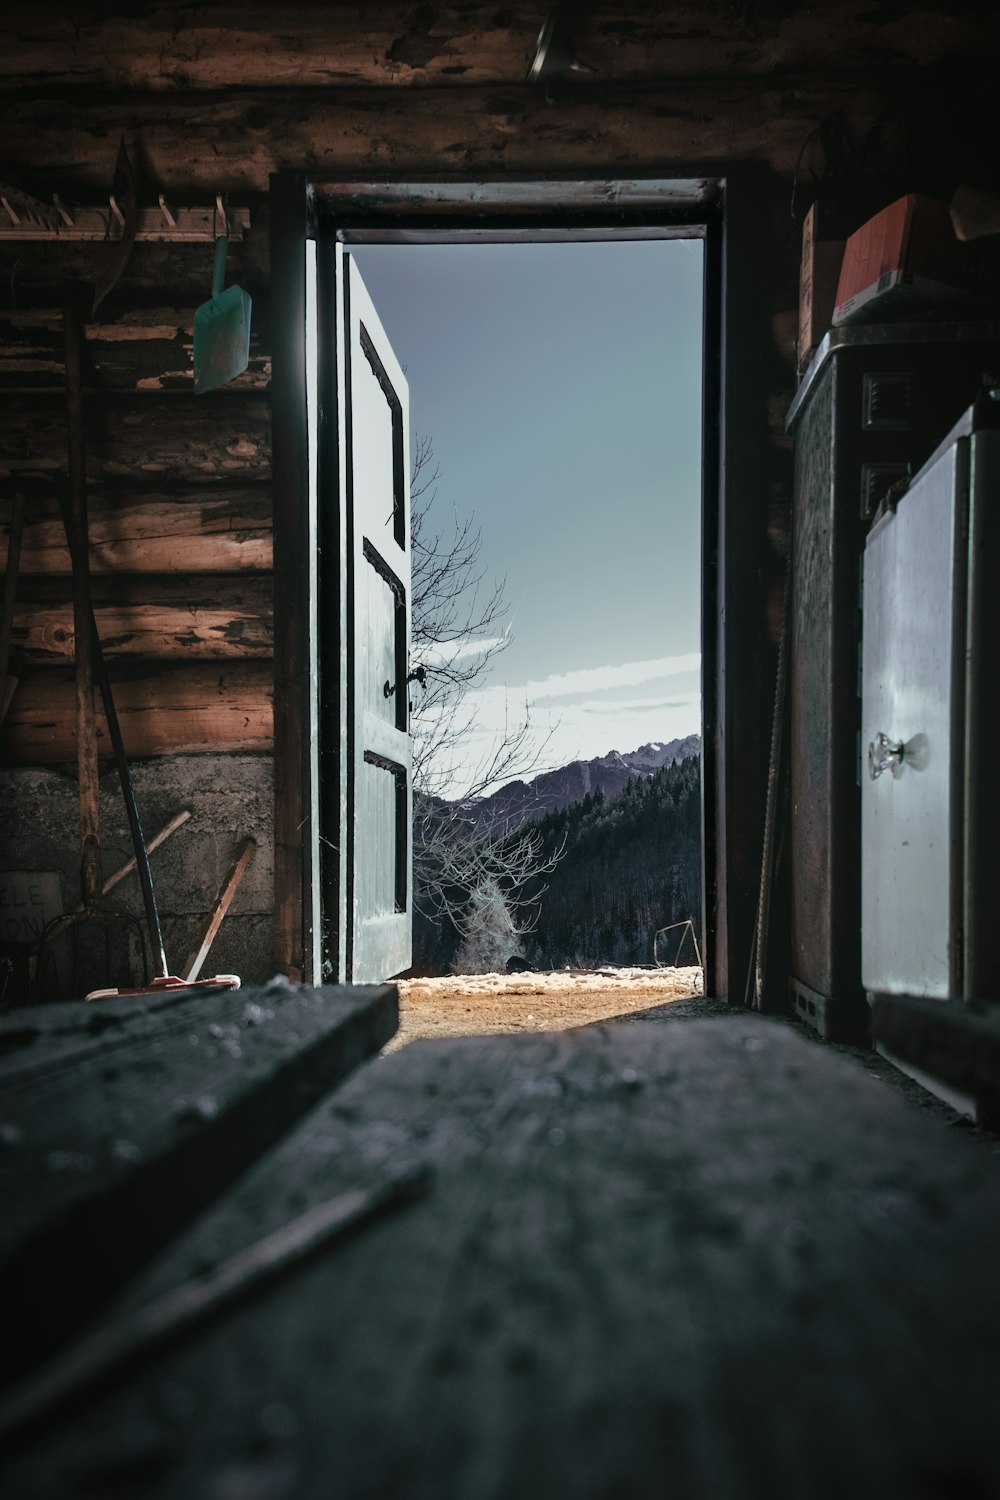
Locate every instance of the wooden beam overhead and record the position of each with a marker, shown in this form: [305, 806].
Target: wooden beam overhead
[235, 141]
[216, 46]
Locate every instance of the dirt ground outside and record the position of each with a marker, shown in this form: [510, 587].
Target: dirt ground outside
[484, 1004]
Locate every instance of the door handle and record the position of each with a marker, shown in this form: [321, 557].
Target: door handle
[419, 674]
[884, 754]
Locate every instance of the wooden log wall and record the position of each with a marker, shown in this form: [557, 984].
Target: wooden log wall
[820, 100]
[179, 498]
[214, 99]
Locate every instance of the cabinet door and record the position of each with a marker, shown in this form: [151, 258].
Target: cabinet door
[379, 790]
[911, 741]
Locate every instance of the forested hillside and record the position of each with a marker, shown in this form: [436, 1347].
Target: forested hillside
[631, 864]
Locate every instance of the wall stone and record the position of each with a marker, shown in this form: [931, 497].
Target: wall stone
[228, 796]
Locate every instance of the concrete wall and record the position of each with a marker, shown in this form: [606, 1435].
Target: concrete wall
[229, 797]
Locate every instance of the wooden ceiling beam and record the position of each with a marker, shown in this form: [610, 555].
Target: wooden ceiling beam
[215, 45]
[233, 142]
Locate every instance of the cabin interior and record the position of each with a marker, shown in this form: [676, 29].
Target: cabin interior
[250, 1257]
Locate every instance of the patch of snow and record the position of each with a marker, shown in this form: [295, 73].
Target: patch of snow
[582, 981]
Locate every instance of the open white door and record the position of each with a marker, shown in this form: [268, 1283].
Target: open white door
[379, 762]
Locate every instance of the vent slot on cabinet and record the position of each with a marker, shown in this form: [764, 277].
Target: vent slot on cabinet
[876, 482]
[887, 401]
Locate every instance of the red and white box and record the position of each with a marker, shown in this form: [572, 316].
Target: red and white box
[907, 258]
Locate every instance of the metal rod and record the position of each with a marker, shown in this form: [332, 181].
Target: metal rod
[190, 225]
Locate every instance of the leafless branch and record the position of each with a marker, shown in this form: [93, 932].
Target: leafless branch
[460, 846]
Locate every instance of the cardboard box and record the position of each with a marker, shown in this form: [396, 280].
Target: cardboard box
[907, 257]
[818, 280]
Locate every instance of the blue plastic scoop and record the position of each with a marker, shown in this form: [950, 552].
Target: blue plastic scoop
[221, 330]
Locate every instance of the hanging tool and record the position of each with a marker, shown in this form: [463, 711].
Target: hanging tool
[124, 208]
[154, 843]
[221, 326]
[85, 948]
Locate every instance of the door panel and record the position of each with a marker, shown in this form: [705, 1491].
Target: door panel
[914, 605]
[380, 771]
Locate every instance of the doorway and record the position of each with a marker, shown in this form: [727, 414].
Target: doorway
[338, 216]
[555, 400]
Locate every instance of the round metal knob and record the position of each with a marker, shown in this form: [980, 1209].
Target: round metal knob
[884, 754]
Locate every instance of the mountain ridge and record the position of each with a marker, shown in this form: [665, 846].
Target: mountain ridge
[522, 802]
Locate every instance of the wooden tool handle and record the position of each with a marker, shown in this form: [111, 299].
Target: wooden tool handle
[222, 904]
[86, 717]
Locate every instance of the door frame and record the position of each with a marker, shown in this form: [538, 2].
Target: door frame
[729, 212]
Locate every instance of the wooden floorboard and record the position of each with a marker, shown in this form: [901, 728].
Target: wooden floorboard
[121, 1120]
[709, 1259]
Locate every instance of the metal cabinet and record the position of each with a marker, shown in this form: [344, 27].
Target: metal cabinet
[874, 403]
[929, 808]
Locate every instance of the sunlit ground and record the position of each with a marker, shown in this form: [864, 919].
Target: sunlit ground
[483, 1004]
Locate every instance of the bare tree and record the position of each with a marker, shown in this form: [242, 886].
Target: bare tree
[491, 934]
[458, 630]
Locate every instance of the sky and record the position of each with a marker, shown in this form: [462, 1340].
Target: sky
[560, 386]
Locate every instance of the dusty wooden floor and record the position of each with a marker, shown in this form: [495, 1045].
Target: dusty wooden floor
[709, 1259]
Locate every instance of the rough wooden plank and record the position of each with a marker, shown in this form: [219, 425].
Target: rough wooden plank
[223, 45]
[181, 1100]
[157, 439]
[147, 349]
[197, 530]
[108, 1353]
[214, 619]
[957, 1043]
[708, 1259]
[163, 711]
[385, 131]
[153, 267]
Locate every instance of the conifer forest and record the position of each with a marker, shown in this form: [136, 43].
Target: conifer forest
[630, 864]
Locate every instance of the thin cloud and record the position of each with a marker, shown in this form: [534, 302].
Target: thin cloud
[445, 652]
[637, 705]
[598, 679]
